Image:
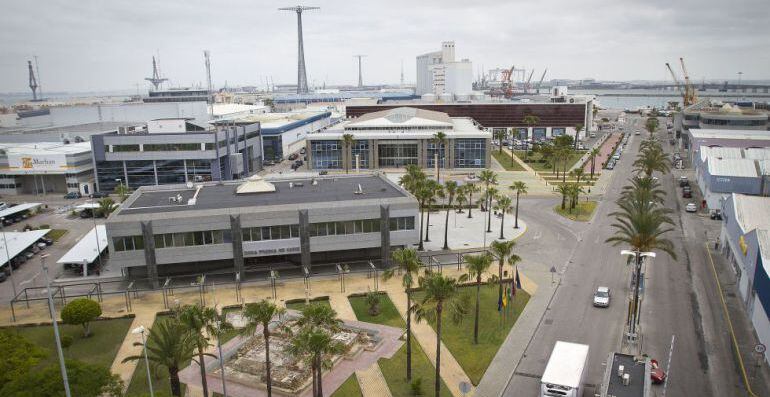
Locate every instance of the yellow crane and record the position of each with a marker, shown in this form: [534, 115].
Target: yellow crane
[687, 90]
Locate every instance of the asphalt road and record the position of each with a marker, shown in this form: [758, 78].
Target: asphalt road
[673, 303]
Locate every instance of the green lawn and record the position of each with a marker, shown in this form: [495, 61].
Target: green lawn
[458, 338]
[545, 166]
[100, 348]
[298, 304]
[56, 234]
[394, 368]
[349, 389]
[505, 160]
[581, 213]
[160, 384]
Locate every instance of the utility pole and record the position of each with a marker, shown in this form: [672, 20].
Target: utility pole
[52, 311]
[207, 56]
[301, 72]
[360, 77]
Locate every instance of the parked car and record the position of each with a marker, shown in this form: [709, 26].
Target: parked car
[303, 151]
[72, 195]
[293, 156]
[602, 297]
[610, 164]
[683, 181]
[3, 276]
[637, 132]
[716, 215]
[41, 245]
[592, 135]
[3, 206]
[29, 254]
[46, 240]
[323, 173]
[686, 193]
[691, 207]
[99, 195]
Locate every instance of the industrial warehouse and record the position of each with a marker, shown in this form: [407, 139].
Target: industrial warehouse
[289, 223]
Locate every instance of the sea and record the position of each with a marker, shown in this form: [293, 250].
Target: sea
[649, 98]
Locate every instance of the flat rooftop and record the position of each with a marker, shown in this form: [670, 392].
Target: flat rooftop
[156, 199]
[46, 148]
[704, 133]
[631, 367]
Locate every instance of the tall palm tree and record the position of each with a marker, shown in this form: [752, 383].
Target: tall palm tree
[470, 188]
[651, 125]
[440, 293]
[261, 314]
[461, 200]
[592, 156]
[450, 189]
[488, 178]
[643, 188]
[564, 190]
[502, 250]
[423, 194]
[578, 173]
[314, 344]
[317, 318]
[578, 128]
[408, 265]
[217, 327]
[477, 266]
[436, 191]
[316, 315]
[504, 207]
[107, 206]
[412, 179]
[168, 345]
[652, 159]
[575, 190]
[566, 154]
[122, 191]
[196, 319]
[347, 141]
[530, 121]
[439, 139]
[520, 188]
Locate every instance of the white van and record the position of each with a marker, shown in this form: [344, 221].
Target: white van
[566, 370]
[3, 206]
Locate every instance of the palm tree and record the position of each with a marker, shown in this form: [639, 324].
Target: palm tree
[122, 191]
[488, 178]
[520, 188]
[461, 200]
[564, 190]
[313, 344]
[502, 250]
[316, 315]
[347, 141]
[578, 173]
[451, 189]
[643, 188]
[477, 266]
[169, 345]
[436, 191]
[106, 206]
[651, 125]
[423, 195]
[651, 159]
[440, 293]
[574, 192]
[412, 179]
[578, 128]
[470, 188]
[592, 156]
[529, 120]
[316, 318]
[195, 319]
[407, 264]
[261, 314]
[439, 139]
[217, 327]
[503, 206]
[566, 154]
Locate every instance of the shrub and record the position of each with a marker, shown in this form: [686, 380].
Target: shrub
[373, 302]
[416, 386]
[44, 226]
[66, 341]
[81, 311]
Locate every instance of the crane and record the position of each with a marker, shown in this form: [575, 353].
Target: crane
[541, 80]
[689, 90]
[527, 86]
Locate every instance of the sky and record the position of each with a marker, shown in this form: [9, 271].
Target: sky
[89, 45]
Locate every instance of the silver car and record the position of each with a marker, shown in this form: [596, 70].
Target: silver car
[602, 297]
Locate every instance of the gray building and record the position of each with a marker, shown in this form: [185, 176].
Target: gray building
[45, 167]
[722, 171]
[173, 151]
[259, 224]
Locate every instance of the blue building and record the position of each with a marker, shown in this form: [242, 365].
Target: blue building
[285, 133]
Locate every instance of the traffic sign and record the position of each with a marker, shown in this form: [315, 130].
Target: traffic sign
[760, 348]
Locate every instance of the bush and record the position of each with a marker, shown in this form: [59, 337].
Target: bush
[66, 341]
[81, 311]
[373, 302]
[416, 386]
[44, 226]
[86, 380]
[20, 356]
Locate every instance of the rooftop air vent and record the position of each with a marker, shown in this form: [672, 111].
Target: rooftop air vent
[626, 379]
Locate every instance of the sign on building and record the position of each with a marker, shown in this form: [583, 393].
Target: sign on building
[33, 163]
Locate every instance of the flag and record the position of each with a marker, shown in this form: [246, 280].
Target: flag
[500, 304]
[518, 279]
[505, 300]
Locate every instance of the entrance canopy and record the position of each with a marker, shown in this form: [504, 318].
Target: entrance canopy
[87, 249]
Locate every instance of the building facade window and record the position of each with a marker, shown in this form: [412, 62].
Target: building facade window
[198, 170]
[342, 228]
[401, 223]
[435, 148]
[470, 153]
[273, 149]
[190, 239]
[110, 174]
[170, 171]
[140, 173]
[275, 232]
[125, 148]
[360, 148]
[557, 132]
[326, 154]
[538, 133]
[128, 243]
[171, 147]
[397, 154]
[523, 133]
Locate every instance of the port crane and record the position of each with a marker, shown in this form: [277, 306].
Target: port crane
[539, 83]
[687, 90]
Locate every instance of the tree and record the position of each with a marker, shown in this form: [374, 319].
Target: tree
[169, 345]
[477, 266]
[195, 319]
[651, 125]
[491, 195]
[566, 153]
[592, 156]
[461, 200]
[504, 207]
[652, 158]
[316, 315]
[261, 314]
[19, 356]
[122, 191]
[81, 311]
[85, 380]
[574, 194]
[412, 179]
[217, 327]
[470, 188]
[440, 293]
[488, 178]
[347, 141]
[439, 139]
[578, 173]
[530, 121]
[450, 187]
[643, 188]
[373, 300]
[434, 191]
[106, 206]
[423, 194]
[502, 250]
[578, 128]
[313, 344]
[520, 188]
[408, 265]
[564, 190]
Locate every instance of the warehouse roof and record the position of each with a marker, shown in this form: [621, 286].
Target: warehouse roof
[752, 212]
[302, 191]
[705, 133]
[732, 167]
[719, 151]
[46, 148]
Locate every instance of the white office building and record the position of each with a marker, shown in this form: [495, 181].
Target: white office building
[438, 73]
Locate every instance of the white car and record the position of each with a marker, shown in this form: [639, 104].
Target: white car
[691, 207]
[637, 132]
[602, 297]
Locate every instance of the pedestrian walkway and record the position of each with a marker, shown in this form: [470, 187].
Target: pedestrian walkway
[340, 303]
[126, 370]
[372, 382]
[605, 152]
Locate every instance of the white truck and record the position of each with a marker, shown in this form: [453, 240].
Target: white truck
[566, 370]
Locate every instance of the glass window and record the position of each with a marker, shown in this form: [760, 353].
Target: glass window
[227, 236]
[159, 241]
[138, 242]
[246, 234]
[295, 231]
[397, 154]
[266, 233]
[326, 154]
[470, 153]
[216, 236]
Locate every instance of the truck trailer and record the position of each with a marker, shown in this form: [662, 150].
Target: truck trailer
[566, 370]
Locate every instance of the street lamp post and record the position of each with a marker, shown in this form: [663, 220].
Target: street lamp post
[638, 255]
[140, 330]
[8, 256]
[52, 311]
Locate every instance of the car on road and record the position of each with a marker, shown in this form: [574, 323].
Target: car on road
[687, 192]
[602, 297]
[592, 135]
[610, 164]
[637, 132]
[691, 207]
[683, 181]
[293, 156]
[302, 151]
[657, 375]
[99, 195]
[72, 195]
[716, 214]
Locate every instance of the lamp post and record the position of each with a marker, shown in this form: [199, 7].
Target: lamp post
[52, 311]
[140, 330]
[8, 256]
[638, 255]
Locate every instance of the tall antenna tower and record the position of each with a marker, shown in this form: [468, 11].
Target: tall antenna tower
[360, 77]
[207, 56]
[156, 80]
[32, 81]
[301, 73]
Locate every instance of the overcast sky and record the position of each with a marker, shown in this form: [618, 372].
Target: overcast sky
[107, 45]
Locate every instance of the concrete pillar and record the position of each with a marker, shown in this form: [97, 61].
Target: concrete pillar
[235, 227]
[385, 235]
[309, 154]
[374, 155]
[450, 154]
[304, 239]
[149, 253]
[421, 154]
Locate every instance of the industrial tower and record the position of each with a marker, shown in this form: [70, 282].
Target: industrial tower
[301, 73]
[360, 78]
[32, 81]
[156, 80]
